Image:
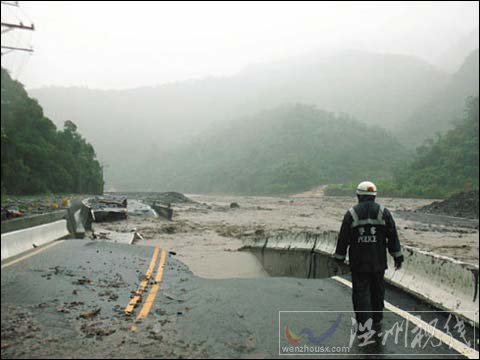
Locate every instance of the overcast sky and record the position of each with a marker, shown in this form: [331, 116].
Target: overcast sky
[129, 44]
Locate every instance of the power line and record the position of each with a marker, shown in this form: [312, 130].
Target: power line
[18, 26]
[12, 48]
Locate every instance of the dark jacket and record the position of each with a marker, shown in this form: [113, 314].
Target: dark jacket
[368, 230]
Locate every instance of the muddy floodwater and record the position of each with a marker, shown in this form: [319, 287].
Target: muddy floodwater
[215, 301]
[207, 233]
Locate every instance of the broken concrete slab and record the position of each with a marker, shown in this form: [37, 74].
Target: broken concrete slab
[139, 208]
[163, 211]
[105, 210]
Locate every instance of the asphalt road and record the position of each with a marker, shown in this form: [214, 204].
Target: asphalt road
[68, 301]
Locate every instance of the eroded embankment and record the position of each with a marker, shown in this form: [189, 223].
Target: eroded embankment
[441, 281]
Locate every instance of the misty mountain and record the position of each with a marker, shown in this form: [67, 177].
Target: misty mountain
[446, 106]
[453, 57]
[287, 149]
[378, 89]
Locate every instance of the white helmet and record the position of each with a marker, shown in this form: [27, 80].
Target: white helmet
[367, 188]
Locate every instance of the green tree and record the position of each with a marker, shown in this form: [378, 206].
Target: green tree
[36, 157]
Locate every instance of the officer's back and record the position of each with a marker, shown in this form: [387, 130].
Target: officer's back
[367, 231]
[368, 238]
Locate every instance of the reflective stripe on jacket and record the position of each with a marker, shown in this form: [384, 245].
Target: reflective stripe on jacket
[367, 231]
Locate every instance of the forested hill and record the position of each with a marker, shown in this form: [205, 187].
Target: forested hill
[442, 166]
[449, 163]
[378, 89]
[288, 149]
[38, 158]
[439, 113]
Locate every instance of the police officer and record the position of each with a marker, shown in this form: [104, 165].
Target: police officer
[368, 230]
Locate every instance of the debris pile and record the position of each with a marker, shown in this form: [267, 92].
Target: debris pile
[170, 197]
[464, 204]
[18, 206]
[8, 214]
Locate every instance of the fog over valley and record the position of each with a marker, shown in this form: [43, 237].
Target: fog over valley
[402, 69]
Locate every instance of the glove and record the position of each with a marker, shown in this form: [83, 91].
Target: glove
[398, 262]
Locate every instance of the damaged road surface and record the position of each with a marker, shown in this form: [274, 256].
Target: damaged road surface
[81, 298]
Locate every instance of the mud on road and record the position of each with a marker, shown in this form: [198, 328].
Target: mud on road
[75, 309]
[69, 301]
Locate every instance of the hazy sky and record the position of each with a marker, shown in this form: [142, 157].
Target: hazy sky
[129, 44]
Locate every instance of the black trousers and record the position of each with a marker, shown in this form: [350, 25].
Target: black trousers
[368, 295]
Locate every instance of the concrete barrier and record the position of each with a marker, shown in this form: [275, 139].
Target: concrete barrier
[79, 218]
[441, 281]
[22, 234]
[18, 241]
[297, 255]
[33, 220]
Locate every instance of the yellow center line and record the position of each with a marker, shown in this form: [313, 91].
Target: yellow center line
[143, 284]
[153, 292]
[449, 340]
[29, 255]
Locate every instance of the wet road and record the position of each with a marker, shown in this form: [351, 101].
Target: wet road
[69, 300]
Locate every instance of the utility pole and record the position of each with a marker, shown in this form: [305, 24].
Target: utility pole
[13, 26]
